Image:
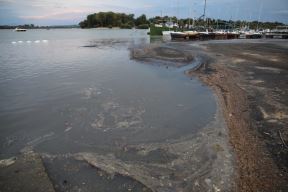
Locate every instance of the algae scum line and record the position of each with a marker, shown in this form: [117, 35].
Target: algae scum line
[115, 114]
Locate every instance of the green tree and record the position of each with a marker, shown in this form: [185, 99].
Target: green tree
[141, 20]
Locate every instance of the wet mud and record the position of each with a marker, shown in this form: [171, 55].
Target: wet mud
[162, 53]
[202, 162]
[251, 80]
[25, 172]
[69, 174]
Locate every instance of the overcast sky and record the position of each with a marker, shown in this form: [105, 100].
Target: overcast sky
[58, 12]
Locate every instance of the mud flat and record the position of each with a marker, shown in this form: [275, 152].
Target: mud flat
[250, 78]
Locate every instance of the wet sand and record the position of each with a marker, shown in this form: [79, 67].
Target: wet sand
[250, 78]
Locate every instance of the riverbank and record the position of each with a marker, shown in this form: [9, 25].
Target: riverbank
[174, 138]
[250, 79]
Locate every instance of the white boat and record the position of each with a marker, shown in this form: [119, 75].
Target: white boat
[178, 35]
[250, 34]
[20, 30]
[164, 33]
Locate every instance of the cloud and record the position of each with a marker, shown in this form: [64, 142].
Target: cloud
[63, 15]
[7, 1]
[4, 3]
[148, 6]
[76, 10]
[281, 12]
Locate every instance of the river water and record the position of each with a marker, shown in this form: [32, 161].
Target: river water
[71, 90]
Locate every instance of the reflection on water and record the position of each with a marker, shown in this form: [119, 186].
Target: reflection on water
[87, 92]
[78, 91]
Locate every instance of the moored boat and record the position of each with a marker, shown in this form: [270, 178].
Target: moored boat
[281, 32]
[205, 35]
[192, 35]
[20, 30]
[233, 35]
[254, 35]
[178, 35]
[220, 35]
[166, 32]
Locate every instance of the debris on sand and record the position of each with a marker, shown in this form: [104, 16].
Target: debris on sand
[205, 157]
[254, 101]
[111, 166]
[7, 162]
[124, 117]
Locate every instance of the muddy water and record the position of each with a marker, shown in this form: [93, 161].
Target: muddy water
[78, 98]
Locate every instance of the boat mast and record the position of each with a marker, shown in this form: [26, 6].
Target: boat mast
[204, 10]
[204, 14]
[260, 10]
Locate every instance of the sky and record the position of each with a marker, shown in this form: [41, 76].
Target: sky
[62, 12]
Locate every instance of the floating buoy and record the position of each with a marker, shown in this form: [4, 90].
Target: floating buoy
[28, 41]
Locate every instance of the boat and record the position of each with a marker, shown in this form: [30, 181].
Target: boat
[220, 35]
[156, 30]
[178, 35]
[253, 35]
[281, 32]
[165, 33]
[233, 35]
[20, 30]
[205, 35]
[192, 35]
[162, 29]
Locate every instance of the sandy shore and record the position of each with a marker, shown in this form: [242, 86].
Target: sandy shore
[250, 79]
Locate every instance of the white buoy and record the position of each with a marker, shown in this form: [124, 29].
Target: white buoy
[45, 41]
[13, 42]
[37, 41]
[28, 41]
[20, 41]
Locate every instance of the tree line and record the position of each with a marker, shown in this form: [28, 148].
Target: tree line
[122, 20]
[111, 19]
[127, 21]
